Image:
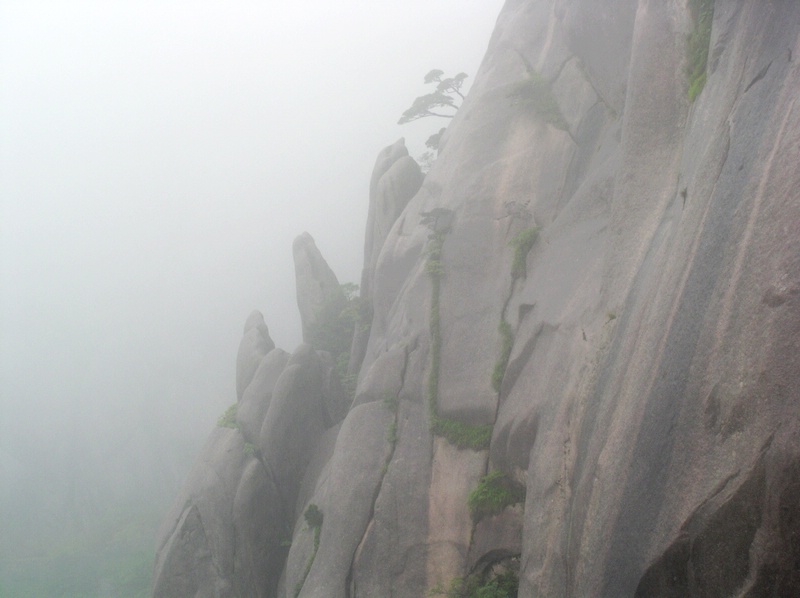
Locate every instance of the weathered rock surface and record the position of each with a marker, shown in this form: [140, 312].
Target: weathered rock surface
[637, 357]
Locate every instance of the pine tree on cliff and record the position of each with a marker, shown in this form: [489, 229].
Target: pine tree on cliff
[442, 97]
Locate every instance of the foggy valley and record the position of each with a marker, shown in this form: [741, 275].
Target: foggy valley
[156, 161]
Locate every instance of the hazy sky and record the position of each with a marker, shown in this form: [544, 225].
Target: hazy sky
[156, 161]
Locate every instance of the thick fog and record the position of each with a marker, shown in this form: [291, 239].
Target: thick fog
[156, 161]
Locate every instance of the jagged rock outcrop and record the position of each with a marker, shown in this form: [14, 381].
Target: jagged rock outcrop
[396, 178]
[255, 344]
[595, 295]
[317, 285]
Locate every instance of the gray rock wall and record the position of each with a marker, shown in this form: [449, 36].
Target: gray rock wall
[604, 272]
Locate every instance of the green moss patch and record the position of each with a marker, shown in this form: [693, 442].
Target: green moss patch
[494, 493]
[463, 435]
[699, 42]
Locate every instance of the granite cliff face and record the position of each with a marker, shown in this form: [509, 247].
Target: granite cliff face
[580, 365]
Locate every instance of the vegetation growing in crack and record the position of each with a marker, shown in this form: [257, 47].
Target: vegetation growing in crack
[228, 419]
[506, 344]
[457, 433]
[699, 41]
[313, 517]
[250, 449]
[491, 583]
[494, 493]
[333, 328]
[522, 244]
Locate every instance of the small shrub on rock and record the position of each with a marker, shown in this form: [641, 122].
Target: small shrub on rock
[228, 419]
[495, 492]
